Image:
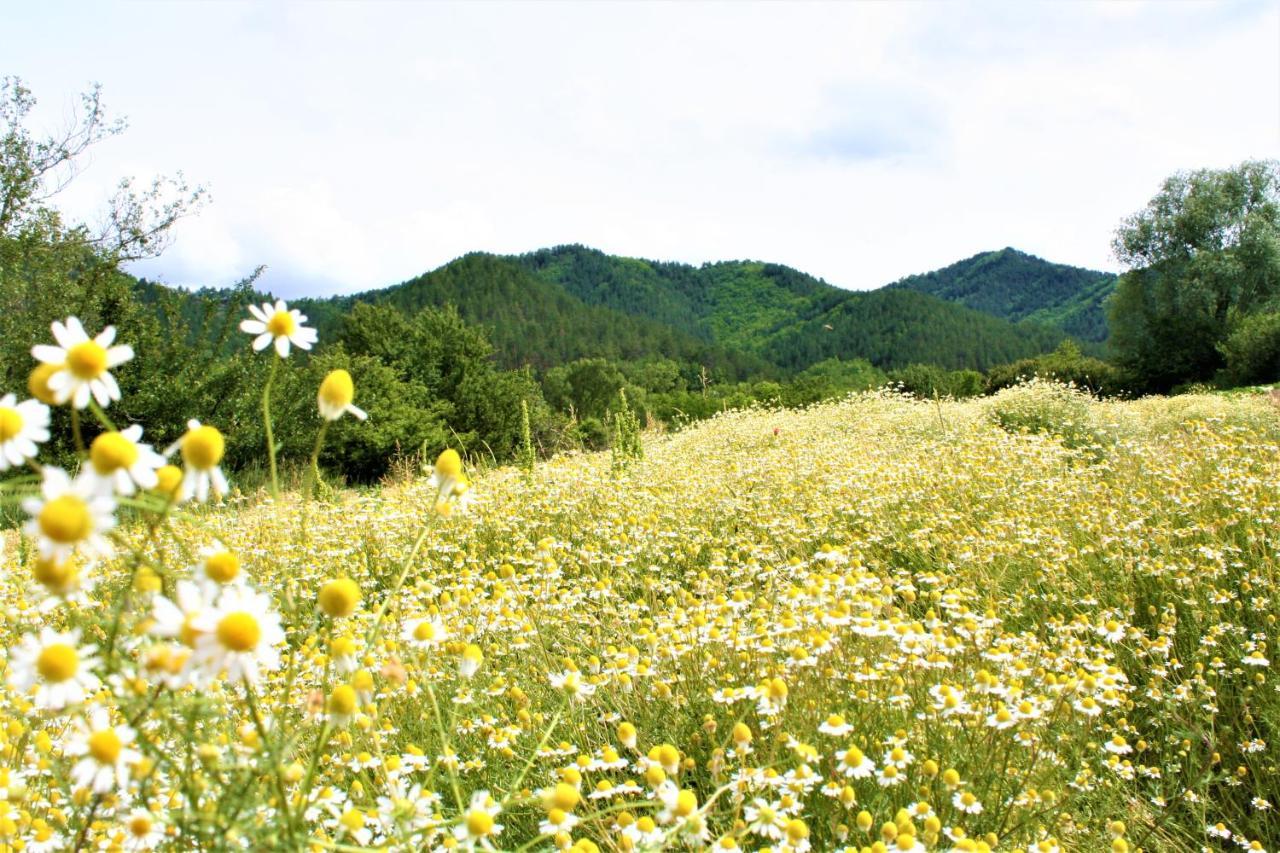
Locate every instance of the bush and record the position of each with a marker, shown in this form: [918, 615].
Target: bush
[1046, 407]
[1252, 351]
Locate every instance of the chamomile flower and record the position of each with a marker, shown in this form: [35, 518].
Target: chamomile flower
[22, 426]
[239, 635]
[470, 661]
[70, 514]
[966, 802]
[143, 830]
[854, 764]
[119, 462]
[479, 823]
[765, 819]
[335, 396]
[104, 752]
[56, 665]
[279, 324]
[425, 632]
[202, 450]
[84, 364]
[835, 726]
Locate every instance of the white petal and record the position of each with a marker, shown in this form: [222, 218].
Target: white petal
[282, 346]
[48, 354]
[253, 327]
[262, 342]
[106, 337]
[117, 356]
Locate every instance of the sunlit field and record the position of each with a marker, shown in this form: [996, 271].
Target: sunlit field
[1031, 622]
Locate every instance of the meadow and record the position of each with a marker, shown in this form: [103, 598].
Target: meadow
[1031, 622]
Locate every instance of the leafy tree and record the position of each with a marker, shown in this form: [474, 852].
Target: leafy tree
[1251, 351]
[1201, 256]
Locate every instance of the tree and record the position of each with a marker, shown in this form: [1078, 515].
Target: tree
[1201, 256]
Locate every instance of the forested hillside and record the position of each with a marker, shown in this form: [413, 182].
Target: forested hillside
[1017, 286]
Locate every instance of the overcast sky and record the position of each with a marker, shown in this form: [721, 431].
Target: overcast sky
[351, 146]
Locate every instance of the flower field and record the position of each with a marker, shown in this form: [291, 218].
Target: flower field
[1035, 622]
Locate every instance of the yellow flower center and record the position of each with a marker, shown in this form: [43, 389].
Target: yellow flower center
[282, 324]
[342, 700]
[38, 383]
[479, 823]
[449, 463]
[57, 662]
[222, 566]
[10, 423]
[66, 519]
[87, 360]
[797, 830]
[239, 631]
[111, 451]
[339, 597]
[140, 825]
[337, 389]
[425, 631]
[168, 480]
[105, 746]
[54, 575]
[203, 447]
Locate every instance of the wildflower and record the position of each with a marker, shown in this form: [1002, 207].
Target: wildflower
[202, 450]
[280, 324]
[446, 471]
[22, 426]
[38, 383]
[425, 632]
[107, 756]
[119, 462]
[218, 564]
[335, 396]
[966, 802]
[342, 704]
[239, 635]
[144, 831]
[570, 681]
[169, 482]
[60, 578]
[83, 364]
[339, 597]
[70, 515]
[479, 822]
[765, 820]
[835, 726]
[56, 665]
[854, 764]
[470, 662]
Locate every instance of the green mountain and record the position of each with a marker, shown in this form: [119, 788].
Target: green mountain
[533, 321]
[788, 317]
[1017, 286]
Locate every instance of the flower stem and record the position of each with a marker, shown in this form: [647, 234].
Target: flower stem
[266, 420]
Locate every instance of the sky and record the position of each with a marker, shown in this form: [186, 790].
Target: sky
[350, 146]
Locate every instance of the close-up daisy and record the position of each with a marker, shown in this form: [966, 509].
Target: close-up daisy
[239, 636]
[22, 426]
[202, 449]
[69, 515]
[280, 324]
[335, 396]
[104, 752]
[56, 665]
[83, 363]
[120, 463]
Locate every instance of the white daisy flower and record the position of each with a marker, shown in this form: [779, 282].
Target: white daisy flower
[105, 750]
[335, 396]
[22, 426]
[69, 514]
[143, 830]
[84, 364]
[478, 824]
[239, 636]
[765, 819]
[202, 450]
[854, 764]
[119, 462]
[56, 665]
[425, 633]
[280, 324]
[966, 802]
[835, 726]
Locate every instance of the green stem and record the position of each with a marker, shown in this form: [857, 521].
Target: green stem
[390, 594]
[75, 431]
[266, 420]
[312, 476]
[272, 754]
[101, 415]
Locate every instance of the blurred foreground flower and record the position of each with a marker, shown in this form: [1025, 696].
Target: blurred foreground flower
[82, 363]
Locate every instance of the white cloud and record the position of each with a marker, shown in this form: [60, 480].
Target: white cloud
[351, 146]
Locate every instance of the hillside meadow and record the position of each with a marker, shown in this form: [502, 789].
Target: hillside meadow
[1035, 622]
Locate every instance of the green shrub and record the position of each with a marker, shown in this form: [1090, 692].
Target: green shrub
[1046, 407]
